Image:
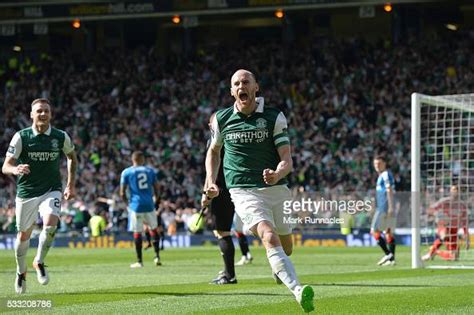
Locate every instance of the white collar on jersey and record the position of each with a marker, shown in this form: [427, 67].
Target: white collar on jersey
[260, 102]
[35, 132]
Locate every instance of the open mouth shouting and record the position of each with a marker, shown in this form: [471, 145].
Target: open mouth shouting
[243, 97]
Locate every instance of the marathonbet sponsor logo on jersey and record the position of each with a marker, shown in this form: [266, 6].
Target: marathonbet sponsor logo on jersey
[250, 136]
[43, 156]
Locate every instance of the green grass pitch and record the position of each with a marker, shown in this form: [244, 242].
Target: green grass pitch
[345, 280]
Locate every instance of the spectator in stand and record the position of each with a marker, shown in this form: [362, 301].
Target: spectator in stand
[98, 223]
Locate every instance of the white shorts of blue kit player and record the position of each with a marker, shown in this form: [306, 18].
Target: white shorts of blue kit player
[237, 224]
[381, 221]
[254, 205]
[27, 208]
[136, 220]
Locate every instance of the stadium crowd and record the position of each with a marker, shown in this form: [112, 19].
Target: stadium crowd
[345, 100]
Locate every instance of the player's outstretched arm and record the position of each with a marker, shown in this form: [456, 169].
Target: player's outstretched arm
[204, 199]
[391, 206]
[10, 168]
[123, 195]
[70, 191]
[156, 193]
[271, 177]
[465, 225]
[213, 161]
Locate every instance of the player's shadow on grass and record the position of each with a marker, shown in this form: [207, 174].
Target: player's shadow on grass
[208, 293]
[179, 293]
[366, 285]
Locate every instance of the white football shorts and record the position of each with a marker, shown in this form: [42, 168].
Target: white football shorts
[136, 220]
[237, 224]
[381, 221]
[254, 205]
[27, 209]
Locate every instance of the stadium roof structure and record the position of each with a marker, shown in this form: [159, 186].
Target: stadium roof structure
[50, 11]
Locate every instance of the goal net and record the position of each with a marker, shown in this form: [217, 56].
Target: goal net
[442, 156]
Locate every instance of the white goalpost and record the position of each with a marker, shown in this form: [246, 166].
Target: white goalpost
[442, 180]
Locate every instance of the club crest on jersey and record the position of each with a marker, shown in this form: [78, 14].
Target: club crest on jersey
[261, 123]
[54, 144]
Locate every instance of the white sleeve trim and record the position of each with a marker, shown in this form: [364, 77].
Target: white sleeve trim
[386, 179]
[216, 137]
[280, 124]
[15, 147]
[68, 146]
[280, 131]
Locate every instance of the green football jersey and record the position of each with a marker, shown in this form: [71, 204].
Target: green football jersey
[250, 143]
[42, 152]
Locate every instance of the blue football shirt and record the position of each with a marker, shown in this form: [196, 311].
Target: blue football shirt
[384, 181]
[140, 181]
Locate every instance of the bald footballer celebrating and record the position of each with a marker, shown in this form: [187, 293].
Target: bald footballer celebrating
[256, 162]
